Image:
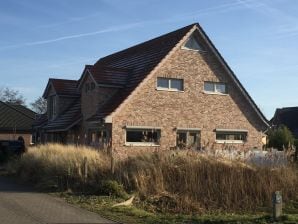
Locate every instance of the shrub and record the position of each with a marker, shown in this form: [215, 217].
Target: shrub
[280, 138]
[112, 187]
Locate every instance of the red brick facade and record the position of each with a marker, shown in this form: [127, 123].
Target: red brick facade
[107, 109]
[192, 108]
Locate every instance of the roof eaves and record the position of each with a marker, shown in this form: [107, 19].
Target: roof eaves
[65, 129]
[44, 95]
[85, 73]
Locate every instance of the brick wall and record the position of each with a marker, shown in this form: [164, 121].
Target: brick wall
[8, 136]
[93, 99]
[192, 108]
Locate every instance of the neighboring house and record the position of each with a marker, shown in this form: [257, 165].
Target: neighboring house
[172, 91]
[15, 121]
[287, 116]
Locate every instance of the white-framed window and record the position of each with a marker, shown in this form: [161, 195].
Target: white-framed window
[231, 136]
[142, 136]
[170, 84]
[215, 87]
[188, 138]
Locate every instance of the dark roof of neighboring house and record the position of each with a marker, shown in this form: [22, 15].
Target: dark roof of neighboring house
[67, 119]
[139, 61]
[15, 118]
[287, 116]
[23, 110]
[64, 87]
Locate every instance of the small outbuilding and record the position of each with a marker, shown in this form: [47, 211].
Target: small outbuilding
[16, 122]
[287, 116]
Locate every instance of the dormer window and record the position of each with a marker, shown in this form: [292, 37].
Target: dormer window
[89, 87]
[92, 86]
[52, 107]
[192, 44]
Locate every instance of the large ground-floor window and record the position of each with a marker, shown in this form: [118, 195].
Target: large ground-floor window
[188, 138]
[231, 136]
[142, 136]
[98, 138]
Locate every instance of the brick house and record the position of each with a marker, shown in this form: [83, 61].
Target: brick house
[16, 121]
[172, 91]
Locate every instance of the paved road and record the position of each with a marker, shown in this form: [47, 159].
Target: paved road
[21, 205]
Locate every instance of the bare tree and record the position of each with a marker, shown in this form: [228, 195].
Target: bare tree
[11, 96]
[39, 105]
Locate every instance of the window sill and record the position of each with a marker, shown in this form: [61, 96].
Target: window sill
[229, 141]
[189, 49]
[215, 93]
[142, 144]
[169, 90]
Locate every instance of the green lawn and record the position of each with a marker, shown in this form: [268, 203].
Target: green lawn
[133, 214]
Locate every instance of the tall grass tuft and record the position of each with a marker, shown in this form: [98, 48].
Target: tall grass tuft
[187, 181]
[60, 166]
[175, 181]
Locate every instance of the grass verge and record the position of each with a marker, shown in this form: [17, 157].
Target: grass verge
[136, 214]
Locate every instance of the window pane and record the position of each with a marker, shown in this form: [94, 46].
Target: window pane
[192, 138]
[240, 136]
[162, 82]
[220, 136]
[193, 44]
[220, 87]
[177, 84]
[181, 139]
[92, 86]
[209, 86]
[142, 136]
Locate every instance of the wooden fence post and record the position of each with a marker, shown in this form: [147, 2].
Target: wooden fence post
[112, 162]
[85, 169]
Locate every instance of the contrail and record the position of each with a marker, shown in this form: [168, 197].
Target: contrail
[107, 30]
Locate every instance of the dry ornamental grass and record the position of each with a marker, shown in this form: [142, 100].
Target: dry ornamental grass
[175, 181]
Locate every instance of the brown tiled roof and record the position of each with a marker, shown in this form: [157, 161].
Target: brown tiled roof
[63, 87]
[110, 75]
[138, 61]
[287, 116]
[13, 118]
[66, 119]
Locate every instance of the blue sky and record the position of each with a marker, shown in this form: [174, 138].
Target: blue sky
[56, 38]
